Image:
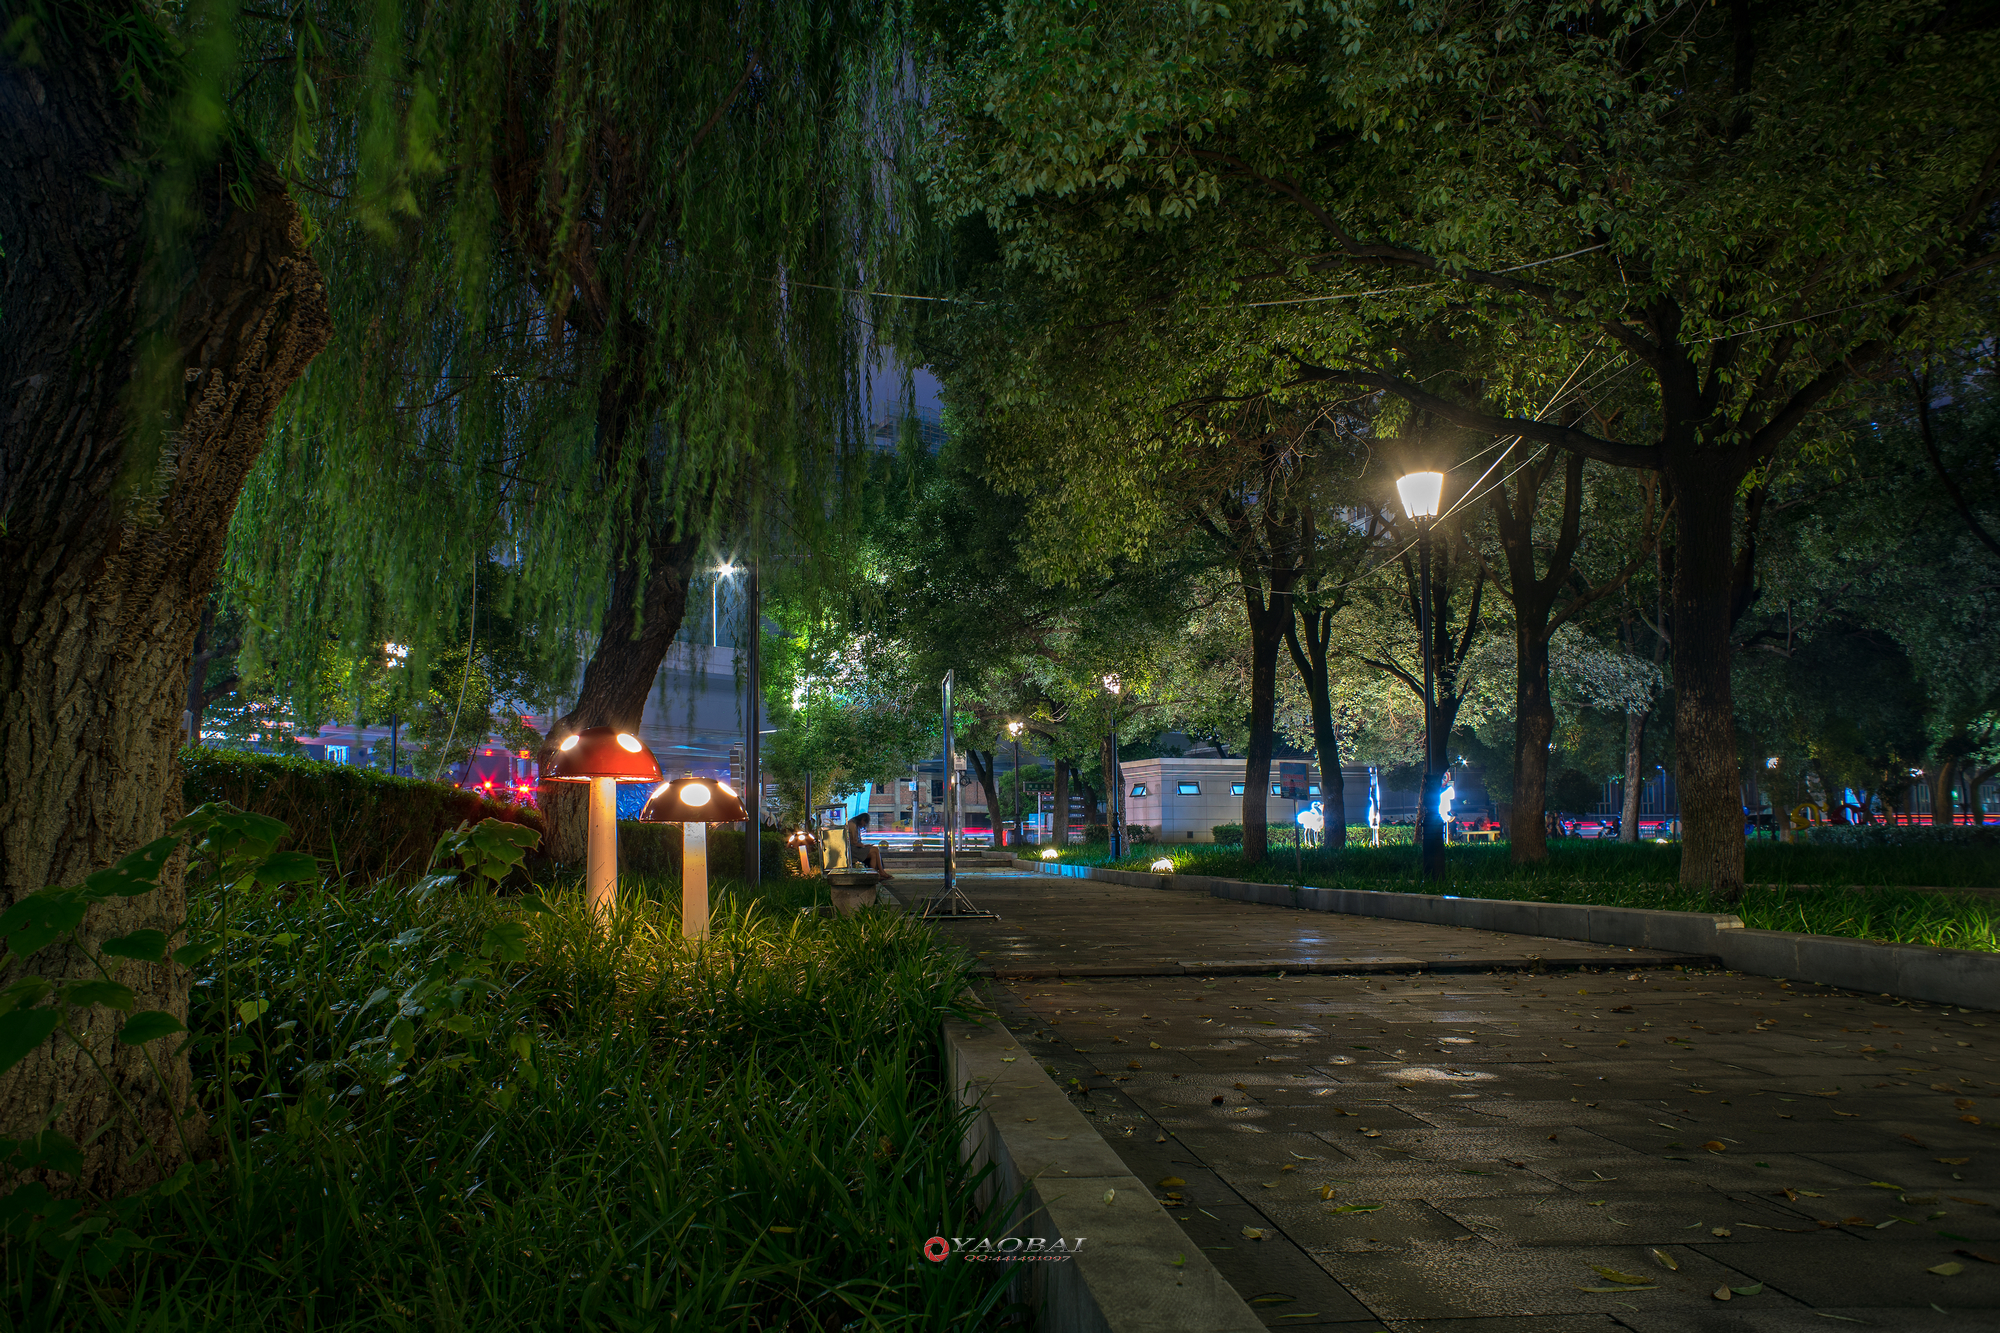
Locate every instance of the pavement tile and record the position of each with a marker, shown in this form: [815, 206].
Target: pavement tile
[1517, 1144]
[1463, 1279]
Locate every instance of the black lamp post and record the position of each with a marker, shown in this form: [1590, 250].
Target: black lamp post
[1014, 730]
[1111, 778]
[1421, 492]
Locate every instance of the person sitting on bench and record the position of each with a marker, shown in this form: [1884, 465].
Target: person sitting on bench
[859, 853]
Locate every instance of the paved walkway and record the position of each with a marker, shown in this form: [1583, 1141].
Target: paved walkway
[1501, 1150]
[1087, 927]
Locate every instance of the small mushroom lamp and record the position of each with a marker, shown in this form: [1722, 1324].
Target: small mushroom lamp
[603, 757]
[694, 803]
[803, 840]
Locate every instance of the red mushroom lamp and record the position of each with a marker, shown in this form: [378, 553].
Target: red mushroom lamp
[694, 803]
[603, 757]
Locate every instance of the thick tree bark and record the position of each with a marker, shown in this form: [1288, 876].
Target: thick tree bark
[1311, 658]
[1635, 764]
[1059, 811]
[1705, 580]
[640, 621]
[113, 531]
[982, 768]
[1942, 776]
[1535, 724]
[1269, 616]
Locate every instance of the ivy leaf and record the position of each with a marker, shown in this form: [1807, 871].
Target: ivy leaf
[42, 918]
[190, 954]
[507, 942]
[149, 1025]
[136, 874]
[287, 868]
[148, 946]
[22, 1031]
[24, 994]
[110, 994]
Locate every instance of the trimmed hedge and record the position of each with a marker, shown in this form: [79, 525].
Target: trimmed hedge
[1900, 835]
[654, 850]
[369, 824]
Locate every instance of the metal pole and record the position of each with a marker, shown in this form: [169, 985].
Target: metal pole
[1429, 858]
[1019, 833]
[753, 802]
[950, 783]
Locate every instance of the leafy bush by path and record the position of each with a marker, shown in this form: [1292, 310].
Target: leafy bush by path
[1283, 835]
[369, 824]
[654, 851]
[457, 1111]
[1861, 893]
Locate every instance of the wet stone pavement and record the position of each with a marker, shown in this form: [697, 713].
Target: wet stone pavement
[1556, 1151]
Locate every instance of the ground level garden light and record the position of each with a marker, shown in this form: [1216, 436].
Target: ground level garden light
[695, 803]
[604, 758]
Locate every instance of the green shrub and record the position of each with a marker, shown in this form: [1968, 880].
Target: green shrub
[368, 824]
[1901, 835]
[654, 850]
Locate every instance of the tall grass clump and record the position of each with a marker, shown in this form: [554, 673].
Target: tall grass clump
[435, 1108]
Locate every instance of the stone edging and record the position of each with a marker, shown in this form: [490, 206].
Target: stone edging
[1965, 977]
[1137, 1271]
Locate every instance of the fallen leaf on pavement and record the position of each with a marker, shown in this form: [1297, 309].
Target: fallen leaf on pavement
[1607, 1291]
[1326, 1191]
[1946, 1270]
[1171, 1182]
[1154, 1044]
[1721, 1293]
[1952, 1161]
[1371, 1133]
[1666, 1261]
[1253, 1233]
[1752, 1290]
[1613, 1275]
[1982, 1258]
[1716, 1145]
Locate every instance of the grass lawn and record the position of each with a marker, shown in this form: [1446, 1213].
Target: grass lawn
[1856, 892]
[461, 1113]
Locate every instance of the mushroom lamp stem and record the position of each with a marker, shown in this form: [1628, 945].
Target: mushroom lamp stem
[694, 880]
[601, 882]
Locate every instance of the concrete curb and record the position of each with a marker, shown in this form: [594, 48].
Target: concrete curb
[1136, 1272]
[1964, 977]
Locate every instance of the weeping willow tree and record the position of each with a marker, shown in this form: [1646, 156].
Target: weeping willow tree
[578, 277]
[596, 312]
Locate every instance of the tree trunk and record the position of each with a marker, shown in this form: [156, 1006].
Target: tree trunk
[1635, 782]
[1315, 674]
[1089, 794]
[1268, 621]
[1941, 775]
[982, 768]
[1535, 724]
[619, 675]
[1059, 810]
[1704, 711]
[1107, 761]
[113, 532]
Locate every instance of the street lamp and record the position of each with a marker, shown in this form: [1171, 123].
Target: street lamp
[1421, 492]
[722, 571]
[1014, 729]
[1111, 780]
[694, 803]
[603, 758]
